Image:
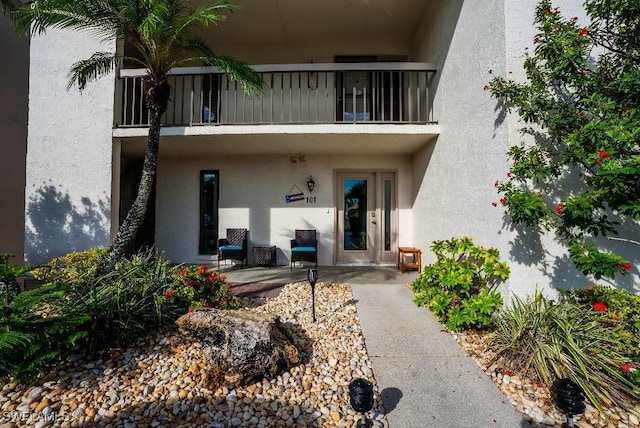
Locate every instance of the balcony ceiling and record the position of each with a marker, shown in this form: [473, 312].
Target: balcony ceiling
[309, 21]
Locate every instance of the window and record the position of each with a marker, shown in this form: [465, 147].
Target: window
[209, 195]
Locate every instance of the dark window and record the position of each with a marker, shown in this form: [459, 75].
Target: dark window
[209, 195]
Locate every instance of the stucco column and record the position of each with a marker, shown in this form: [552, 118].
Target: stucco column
[69, 155]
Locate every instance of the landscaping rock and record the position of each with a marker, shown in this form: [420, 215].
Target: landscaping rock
[241, 346]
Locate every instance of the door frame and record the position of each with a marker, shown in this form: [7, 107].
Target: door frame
[380, 221]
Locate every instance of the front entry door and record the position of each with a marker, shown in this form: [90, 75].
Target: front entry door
[366, 217]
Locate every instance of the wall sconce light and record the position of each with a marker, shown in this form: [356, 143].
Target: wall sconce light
[311, 184]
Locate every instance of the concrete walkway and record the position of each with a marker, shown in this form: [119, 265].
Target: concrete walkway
[425, 378]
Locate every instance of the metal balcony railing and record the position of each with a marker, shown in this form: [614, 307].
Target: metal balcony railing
[294, 93]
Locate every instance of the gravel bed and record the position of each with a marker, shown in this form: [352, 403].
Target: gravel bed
[162, 381]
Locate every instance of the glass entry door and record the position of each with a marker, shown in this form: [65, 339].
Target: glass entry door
[366, 217]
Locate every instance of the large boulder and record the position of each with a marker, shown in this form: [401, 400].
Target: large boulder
[241, 346]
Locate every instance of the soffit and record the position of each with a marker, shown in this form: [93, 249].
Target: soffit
[283, 143]
[308, 21]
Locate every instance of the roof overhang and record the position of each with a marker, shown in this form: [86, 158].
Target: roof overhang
[282, 139]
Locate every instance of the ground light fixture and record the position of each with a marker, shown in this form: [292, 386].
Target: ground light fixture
[311, 184]
[569, 398]
[312, 276]
[361, 399]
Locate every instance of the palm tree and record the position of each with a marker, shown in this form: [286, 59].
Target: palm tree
[161, 35]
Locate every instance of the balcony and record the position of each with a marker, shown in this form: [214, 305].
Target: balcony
[362, 93]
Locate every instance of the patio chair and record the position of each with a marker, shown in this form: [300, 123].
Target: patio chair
[233, 247]
[304, 247]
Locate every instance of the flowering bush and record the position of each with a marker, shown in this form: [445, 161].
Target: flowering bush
[620, 311]
[201, 289]
[631, 371]
[579, 119]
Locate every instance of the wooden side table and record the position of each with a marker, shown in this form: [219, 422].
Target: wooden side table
[414, 263]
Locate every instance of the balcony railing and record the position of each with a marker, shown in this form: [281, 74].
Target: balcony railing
[294, 93]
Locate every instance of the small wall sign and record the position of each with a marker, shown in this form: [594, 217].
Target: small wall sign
[294, 194]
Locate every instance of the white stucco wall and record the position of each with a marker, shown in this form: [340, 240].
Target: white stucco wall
[14, 80]
[252, 196]
[68, 185]
[454, 177]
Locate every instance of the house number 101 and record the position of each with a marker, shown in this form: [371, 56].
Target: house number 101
[311, 199]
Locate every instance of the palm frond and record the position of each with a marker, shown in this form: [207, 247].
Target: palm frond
[100, 64]
[98, 17]
[204, 15]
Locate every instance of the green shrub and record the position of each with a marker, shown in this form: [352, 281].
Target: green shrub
[563, 340]
[74, 268]
[460, 286]
[127, 302]
[31, 341]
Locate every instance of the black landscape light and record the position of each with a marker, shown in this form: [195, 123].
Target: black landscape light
[361, 399]
[569, 398]
[312, 276]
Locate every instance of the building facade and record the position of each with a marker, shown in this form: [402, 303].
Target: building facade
[14, 79]
[380, 104]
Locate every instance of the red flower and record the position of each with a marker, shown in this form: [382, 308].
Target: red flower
[628, 367]
[209, 279]
[193, 282]
[496, 184]
[599, 306]
[602, 154]
[223, 278]
[183, 272]
[168, 294]
[559, 208]
[207, 307]
[583, 32]
[625, 267]
[191, 309]
[203, 267]
[503, 201]
[509, 174]
[228, 287]
[495, 204]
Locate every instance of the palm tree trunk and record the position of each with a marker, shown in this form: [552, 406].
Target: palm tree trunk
[133, 221]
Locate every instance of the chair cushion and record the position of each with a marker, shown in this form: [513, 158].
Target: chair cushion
[308, 249]
[231, 247]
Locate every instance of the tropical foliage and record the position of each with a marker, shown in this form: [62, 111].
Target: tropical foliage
[459, 287]
[78, 311]
[158, 35]
[577, 170]
[549, 340]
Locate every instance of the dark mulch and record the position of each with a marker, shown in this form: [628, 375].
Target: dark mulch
[263, 290]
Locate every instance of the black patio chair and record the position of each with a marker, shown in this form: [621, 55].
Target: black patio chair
[233, 247]
[304, 247]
